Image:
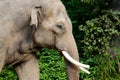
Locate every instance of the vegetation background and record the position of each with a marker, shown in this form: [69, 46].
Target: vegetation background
[96, 29]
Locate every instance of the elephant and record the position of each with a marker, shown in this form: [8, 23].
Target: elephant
[26, 26]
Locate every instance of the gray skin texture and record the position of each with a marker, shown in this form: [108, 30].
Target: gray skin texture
[29, 25]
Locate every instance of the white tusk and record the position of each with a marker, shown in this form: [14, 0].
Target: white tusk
[74, 61]
[82, 66]
[83, 69]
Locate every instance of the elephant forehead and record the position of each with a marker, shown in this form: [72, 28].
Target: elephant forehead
[55, 11]
[48, 1]
[52, 6]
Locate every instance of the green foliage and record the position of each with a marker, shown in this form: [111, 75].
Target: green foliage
[8, 74]
[52, 66]
[102, 68]
[99, 32]
[82, 10]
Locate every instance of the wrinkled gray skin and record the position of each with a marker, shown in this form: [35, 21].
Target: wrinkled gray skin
[29, 25]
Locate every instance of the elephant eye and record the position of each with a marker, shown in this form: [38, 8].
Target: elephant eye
[60, 25]
[59, 28]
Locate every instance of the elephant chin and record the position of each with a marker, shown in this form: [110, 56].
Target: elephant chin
[73, 61]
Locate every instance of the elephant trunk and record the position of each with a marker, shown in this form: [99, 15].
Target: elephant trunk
[71, 57]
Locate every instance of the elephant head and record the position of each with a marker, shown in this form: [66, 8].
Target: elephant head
[53, 29]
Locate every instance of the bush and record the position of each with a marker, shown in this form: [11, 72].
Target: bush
[52, 66]
[99, 34]
[8, 74]
[82, 10]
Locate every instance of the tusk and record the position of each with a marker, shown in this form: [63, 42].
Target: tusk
[74, 61]
[83, 69]
[82, 66]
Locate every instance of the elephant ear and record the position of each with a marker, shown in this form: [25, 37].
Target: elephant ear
[36, 16]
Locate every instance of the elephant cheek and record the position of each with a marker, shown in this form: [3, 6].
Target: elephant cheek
[37, 38]
[44, 39]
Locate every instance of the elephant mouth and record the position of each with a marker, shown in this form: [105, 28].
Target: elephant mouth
[73, 61]
[70, 59]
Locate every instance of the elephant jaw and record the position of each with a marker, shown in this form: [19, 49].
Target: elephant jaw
[80, 65]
